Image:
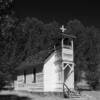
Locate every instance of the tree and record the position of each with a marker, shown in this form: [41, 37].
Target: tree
[7, 26]
[6, 7]
[92, 56]
[87, 49]
[21, 38]
[76, 28]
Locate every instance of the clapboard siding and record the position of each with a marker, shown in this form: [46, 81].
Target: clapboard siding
[35, 86]
[51, 75]
[30, 85]
[39, 78]
[59, 87]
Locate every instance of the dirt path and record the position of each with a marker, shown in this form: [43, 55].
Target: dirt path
[85, 96]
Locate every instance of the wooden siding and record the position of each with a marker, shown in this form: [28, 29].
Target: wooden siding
[67, 54]
[52, 77]
[37, 86]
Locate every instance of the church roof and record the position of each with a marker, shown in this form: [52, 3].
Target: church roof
[68, 35]
[36, 60]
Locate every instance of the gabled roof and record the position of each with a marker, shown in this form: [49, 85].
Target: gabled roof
[67, 35]
[36, 60]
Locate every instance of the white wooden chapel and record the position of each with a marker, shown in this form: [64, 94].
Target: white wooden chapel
[48, 76]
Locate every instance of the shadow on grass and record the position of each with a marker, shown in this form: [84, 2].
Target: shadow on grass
[13, 97]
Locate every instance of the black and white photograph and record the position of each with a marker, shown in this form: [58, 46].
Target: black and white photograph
[49, 50]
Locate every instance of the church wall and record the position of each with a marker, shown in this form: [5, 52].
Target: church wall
[52, 75]
[30, 85]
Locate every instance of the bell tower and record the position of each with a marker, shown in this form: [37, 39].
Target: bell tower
[67, 58]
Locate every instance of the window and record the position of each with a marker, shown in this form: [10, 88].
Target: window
[24, 76]
[67, 43]
[34, 75]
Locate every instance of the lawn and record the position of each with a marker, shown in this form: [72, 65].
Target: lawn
[18, 95]
[13, 97]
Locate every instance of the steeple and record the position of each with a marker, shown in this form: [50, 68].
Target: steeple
[65, 41]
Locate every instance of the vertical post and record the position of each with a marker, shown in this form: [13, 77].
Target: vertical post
[73, 77]
[34, 75]
[73, 63]
[62, 45]
[72, 49]
[24, 76]
[62, 73]
[62, 42]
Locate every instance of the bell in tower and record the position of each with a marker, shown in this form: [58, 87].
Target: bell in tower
[67, 42]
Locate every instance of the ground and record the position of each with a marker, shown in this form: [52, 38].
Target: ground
[86, 95]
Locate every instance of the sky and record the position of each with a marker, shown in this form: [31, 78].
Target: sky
[87, 12]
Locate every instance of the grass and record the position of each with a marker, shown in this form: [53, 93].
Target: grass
[19, 95]
[13, 97]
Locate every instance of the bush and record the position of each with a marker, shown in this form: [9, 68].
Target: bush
[93, 79]
[4, 79]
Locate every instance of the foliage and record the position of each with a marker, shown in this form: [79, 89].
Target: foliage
[87, 56]
[20, 38]
[5, 7]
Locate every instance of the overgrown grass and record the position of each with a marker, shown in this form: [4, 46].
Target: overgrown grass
[13, 97]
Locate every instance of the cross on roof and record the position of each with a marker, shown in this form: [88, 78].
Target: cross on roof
[63, 29]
